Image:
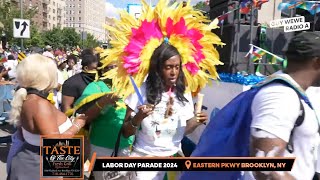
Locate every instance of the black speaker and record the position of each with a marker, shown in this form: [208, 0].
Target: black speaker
[226, 35]
[214, 3]
[217, 7]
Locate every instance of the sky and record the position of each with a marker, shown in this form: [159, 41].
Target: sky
[112, 6]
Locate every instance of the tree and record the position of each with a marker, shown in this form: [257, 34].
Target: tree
[53, 38]
[200, 5]
[9, 11]
[59, 38]
[90, 41]
[70, 37]
[36, 39]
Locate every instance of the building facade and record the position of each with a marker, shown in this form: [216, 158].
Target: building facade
[50, 13]
[56, 13]
[87, 16]
[108, 36]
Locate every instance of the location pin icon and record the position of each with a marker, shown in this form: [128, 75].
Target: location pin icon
[188, 164]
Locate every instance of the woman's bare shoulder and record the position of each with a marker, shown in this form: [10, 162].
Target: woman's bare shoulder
[35, 104]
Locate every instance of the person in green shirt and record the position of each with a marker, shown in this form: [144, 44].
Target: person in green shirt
[106, 113]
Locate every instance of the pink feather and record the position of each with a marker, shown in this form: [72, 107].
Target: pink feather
[139, 38]
[192, 68]
[169, 27]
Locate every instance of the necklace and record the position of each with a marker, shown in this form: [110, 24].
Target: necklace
[45, 95]
[169, 110]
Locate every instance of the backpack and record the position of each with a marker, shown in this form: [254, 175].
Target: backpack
[228, 132]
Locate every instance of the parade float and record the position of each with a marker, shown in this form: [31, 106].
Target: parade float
[254, 52]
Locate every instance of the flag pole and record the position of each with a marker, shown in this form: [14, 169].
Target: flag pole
[315, 16]
[235, 60]
[272, 29]
[267, 52]
[251, 24]
[251, 33]
[228, 12]
[221, 30]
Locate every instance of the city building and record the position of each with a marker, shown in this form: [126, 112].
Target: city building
[56, 13]
[50, 13]
[87, 16]
[108, 36]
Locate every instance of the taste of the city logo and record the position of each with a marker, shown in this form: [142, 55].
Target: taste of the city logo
[62, 157]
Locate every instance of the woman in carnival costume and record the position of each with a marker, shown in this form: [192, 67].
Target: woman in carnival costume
[163, 57]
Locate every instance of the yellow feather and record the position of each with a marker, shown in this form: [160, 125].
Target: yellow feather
[213, 24]
[194, 19]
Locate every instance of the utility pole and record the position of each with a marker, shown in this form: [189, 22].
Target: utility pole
[21, 16]
[82, 36]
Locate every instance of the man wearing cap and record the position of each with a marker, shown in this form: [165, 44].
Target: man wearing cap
[277, 107]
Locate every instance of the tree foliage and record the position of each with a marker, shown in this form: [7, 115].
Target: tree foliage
[56, 37]
[90, 41]
[70, 37]
[59, 38]
[200, 5]
[36, 39]
[8, 11]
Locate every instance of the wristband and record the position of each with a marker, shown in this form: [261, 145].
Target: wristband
[77, 126]
[98, 105]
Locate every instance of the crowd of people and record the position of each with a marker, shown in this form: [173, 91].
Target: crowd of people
[34, 112]
[139, 99]
[9, 59]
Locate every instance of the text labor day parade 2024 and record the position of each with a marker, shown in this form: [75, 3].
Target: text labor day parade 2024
[196, 164]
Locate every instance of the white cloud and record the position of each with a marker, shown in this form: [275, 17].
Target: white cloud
[111, 11]
[154, 2]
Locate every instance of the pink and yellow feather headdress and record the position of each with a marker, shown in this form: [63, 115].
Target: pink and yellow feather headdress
[135, 40]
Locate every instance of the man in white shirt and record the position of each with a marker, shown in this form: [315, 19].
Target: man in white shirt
[49, 52]
[276, 108]
[314, 96]
[11, 65]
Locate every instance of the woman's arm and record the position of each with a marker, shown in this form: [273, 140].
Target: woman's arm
[131, 124]
[2, 73]
[194, 122]
[67, 102]
[95, 109]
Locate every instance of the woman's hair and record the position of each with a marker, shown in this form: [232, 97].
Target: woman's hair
[155, 81]
[16, 105]
[73, 57]
[86, 52]
[35, 71]
[88, 57]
